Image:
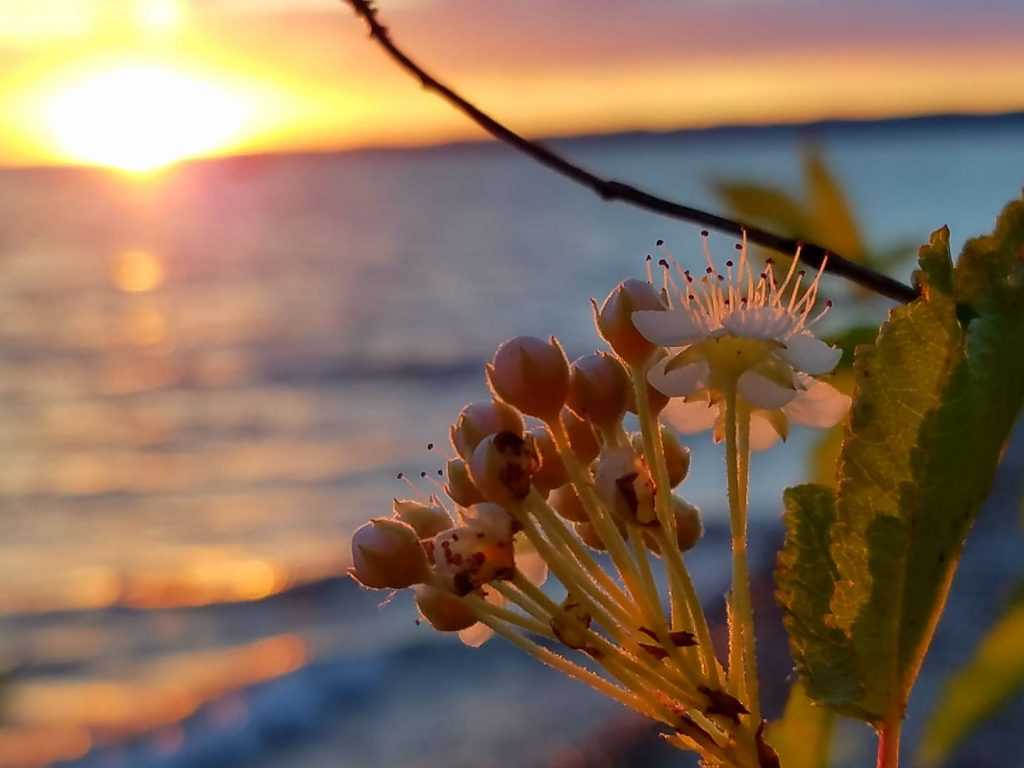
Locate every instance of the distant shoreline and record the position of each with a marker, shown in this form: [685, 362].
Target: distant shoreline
[826, 127]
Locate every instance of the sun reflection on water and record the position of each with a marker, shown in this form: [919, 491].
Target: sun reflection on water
[138, 271]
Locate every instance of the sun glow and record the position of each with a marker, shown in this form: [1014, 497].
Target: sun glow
[141, 118]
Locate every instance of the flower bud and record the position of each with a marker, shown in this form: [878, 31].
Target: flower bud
[552, 471]
[459, 486]
[582, 438]
[566, 502]
[677, 455]
[689, 528]
[599, 389]
[614, 319]
[444, 611]
[503, 466]
[492, 519]
[427, 520]
[656, 399]
[386, 554]
[571, 622]
[467, 558]
[588, 534]
[626, 486]
[478, 420]
[532, 375]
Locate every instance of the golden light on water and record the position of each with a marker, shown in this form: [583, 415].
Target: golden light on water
[138, 271]
[141, 117]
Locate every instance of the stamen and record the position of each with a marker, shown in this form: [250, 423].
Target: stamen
[648, 270]
[789, 275]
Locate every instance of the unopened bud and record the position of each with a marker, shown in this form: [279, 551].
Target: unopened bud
[689, 528]
[532, 375]
[478, 420]
[566, 502]
[656, 400]
[459, 486]
[588, 534]
[387, 554]
[444, 611]
[677, 455]
[599, 389]
[626, 486]
[582, 438]
[427, 520]
[503, 466]
[552, 471]
[492, 519]
[571, 623]
[467, 558]
[614, 319]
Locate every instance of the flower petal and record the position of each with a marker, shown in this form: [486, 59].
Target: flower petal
[476, 635]
[691, 417]
[667, 328]
[758, 322]
[762, 392]
[531, 564]
[810, 354]
[820, 405]
[763, 434]
[681, 381]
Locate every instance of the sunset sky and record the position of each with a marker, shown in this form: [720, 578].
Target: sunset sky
[139, 83]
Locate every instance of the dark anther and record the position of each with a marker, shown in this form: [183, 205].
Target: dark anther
[655, 650]
[704, 233]
[430, 446]
[721, 703]
[728, 263]
[660, 242]
[663, 263]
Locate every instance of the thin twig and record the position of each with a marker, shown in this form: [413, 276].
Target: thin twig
[609, 189]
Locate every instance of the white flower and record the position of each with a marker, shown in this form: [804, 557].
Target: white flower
[744, 331]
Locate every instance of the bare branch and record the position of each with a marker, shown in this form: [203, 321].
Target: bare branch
[609, 189]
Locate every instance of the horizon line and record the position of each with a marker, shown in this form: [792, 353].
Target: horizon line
[822, 124]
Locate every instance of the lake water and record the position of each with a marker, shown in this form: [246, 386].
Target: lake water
[210, 377]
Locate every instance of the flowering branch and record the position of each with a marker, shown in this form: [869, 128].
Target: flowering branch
[610, 189]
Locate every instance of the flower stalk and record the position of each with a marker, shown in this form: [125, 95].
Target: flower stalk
[742, 642]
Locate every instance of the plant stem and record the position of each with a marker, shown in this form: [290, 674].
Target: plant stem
[609, 189]
[742, 656]
[889, 742]
[685, 601]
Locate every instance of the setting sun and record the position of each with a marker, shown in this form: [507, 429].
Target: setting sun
[141, 118]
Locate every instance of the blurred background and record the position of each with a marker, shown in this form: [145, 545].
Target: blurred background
[249, 270]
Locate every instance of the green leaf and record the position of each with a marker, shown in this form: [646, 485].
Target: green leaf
[834, 224]
[980, 688]
[934, 404]
[803, 737]
[762, 203]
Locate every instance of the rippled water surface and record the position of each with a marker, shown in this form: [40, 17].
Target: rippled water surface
[208, 378]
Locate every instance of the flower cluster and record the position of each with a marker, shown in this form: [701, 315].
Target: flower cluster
[547, 477]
